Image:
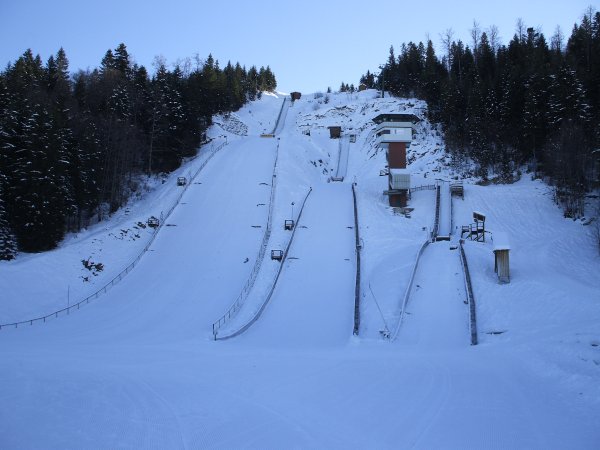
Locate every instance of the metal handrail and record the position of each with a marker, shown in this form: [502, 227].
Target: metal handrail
[237, 304]
[436, 224]
[409, 287]
[357, 291]
[125, 271]
[430, 187]
[279, 116]
[257, 315]
[470, 296]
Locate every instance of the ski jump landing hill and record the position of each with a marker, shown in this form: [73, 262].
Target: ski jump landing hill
[140, 368]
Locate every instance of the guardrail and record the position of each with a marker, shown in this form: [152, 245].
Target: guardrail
[429, 187]
[124, 272]
[436, 224]
[409, 287]
[470, 296]
[357, 292]
[285, 100]
[270, 294]
[237, 304]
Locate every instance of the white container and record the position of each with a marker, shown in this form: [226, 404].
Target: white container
[399, 179]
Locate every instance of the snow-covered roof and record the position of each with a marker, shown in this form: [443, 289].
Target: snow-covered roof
[501, 241]
[399, 172]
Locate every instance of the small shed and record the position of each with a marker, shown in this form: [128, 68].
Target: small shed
[181, 181]
[295, 96]
[362, 87]
[457, 188]
[501, 259]
[335, 131]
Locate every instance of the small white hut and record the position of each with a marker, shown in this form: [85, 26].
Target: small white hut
[501, 259]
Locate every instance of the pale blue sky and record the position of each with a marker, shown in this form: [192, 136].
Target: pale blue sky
[309, 44]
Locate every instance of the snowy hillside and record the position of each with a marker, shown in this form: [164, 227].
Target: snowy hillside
[139, 367]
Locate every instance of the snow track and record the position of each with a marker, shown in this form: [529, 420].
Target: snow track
[313, 302]
[194, 267]
[164, 217]
[445, 219]
[436, 315]
[434, 273]
[140, 370]
[257, 262]
[343, 153]
[285, 106]
[265, 302]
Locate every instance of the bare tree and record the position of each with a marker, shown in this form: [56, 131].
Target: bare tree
[494, 37]
[446, 38]
[520, 29]
[556, 42]
[185, 65]
[588, 25]
[159, 61]
[475, 36]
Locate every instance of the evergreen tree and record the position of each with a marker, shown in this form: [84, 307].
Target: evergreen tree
[502, 105]
[70, 147]
[8, 242]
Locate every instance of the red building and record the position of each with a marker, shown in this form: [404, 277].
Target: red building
[394, 132]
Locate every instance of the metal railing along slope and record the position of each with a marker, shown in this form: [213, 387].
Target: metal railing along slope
[436, 224]
[357, 292]
[285, 101]
[470, 296]
[129, 268]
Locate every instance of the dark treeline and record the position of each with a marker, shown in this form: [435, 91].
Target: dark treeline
[72, 146]
[501, 106]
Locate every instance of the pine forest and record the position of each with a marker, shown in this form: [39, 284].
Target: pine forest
[72, 146]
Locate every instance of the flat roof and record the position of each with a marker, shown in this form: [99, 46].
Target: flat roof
[394, 171]
[501, 241]
[396, 118]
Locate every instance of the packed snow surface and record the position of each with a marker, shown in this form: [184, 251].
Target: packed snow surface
[138, 368]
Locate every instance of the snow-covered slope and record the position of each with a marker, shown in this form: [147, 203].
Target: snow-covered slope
[139, 368]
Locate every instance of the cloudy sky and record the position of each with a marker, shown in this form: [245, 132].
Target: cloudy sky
[309, 44]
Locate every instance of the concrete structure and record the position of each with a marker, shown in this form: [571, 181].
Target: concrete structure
[335, 131]
[394, 132]
[501, 259]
